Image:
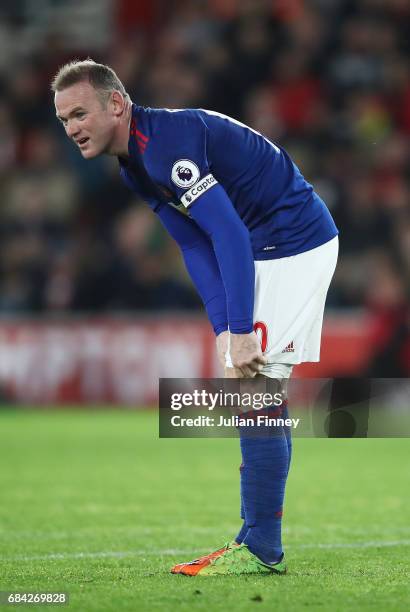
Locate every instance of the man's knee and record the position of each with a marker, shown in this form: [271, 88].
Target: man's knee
[277, 378]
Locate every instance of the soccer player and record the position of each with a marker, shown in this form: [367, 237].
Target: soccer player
[259, 244]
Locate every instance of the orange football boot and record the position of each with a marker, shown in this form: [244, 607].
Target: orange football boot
[193, 567]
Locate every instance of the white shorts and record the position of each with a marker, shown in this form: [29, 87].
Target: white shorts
[290, 295]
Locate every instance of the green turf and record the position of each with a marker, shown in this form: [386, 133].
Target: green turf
[93, 503]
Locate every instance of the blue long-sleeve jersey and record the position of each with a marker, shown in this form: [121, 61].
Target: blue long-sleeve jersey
[228, 196]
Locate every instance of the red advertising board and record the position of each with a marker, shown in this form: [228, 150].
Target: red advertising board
[119, 361]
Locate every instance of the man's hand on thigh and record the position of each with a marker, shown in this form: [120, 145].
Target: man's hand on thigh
[246, 354]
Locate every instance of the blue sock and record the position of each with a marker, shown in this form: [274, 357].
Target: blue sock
[245, 527]
[288, 432]
[263, 480]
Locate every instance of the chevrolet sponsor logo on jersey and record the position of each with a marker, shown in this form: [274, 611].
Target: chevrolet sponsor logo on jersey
[198, 189]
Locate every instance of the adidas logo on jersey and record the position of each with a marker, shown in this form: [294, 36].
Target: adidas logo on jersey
[289, 349]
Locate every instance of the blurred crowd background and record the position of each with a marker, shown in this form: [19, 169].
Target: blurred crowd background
[328, 80]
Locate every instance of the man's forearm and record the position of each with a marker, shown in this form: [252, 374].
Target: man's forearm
[203, 269]
[215, 214]
[201, 263]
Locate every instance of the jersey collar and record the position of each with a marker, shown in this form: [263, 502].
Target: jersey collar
[135, 140]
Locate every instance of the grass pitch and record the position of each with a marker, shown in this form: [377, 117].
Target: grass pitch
[94, 504]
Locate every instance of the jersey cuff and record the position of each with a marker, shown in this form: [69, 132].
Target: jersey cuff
[198, 189]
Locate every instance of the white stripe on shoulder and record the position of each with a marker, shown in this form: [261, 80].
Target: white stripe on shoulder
[240, 124]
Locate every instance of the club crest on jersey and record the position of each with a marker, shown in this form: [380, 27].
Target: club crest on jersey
[185, 173]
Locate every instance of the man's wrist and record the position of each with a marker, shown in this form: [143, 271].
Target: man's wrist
[219, 329]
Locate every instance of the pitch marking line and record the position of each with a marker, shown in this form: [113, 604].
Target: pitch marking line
[175, 551]
[292, 531]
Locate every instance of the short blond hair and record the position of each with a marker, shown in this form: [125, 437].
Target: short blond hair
[101, 77]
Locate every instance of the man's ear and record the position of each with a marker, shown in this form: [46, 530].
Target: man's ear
[118, 103]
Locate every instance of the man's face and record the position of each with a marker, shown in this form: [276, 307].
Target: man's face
[85, 119]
